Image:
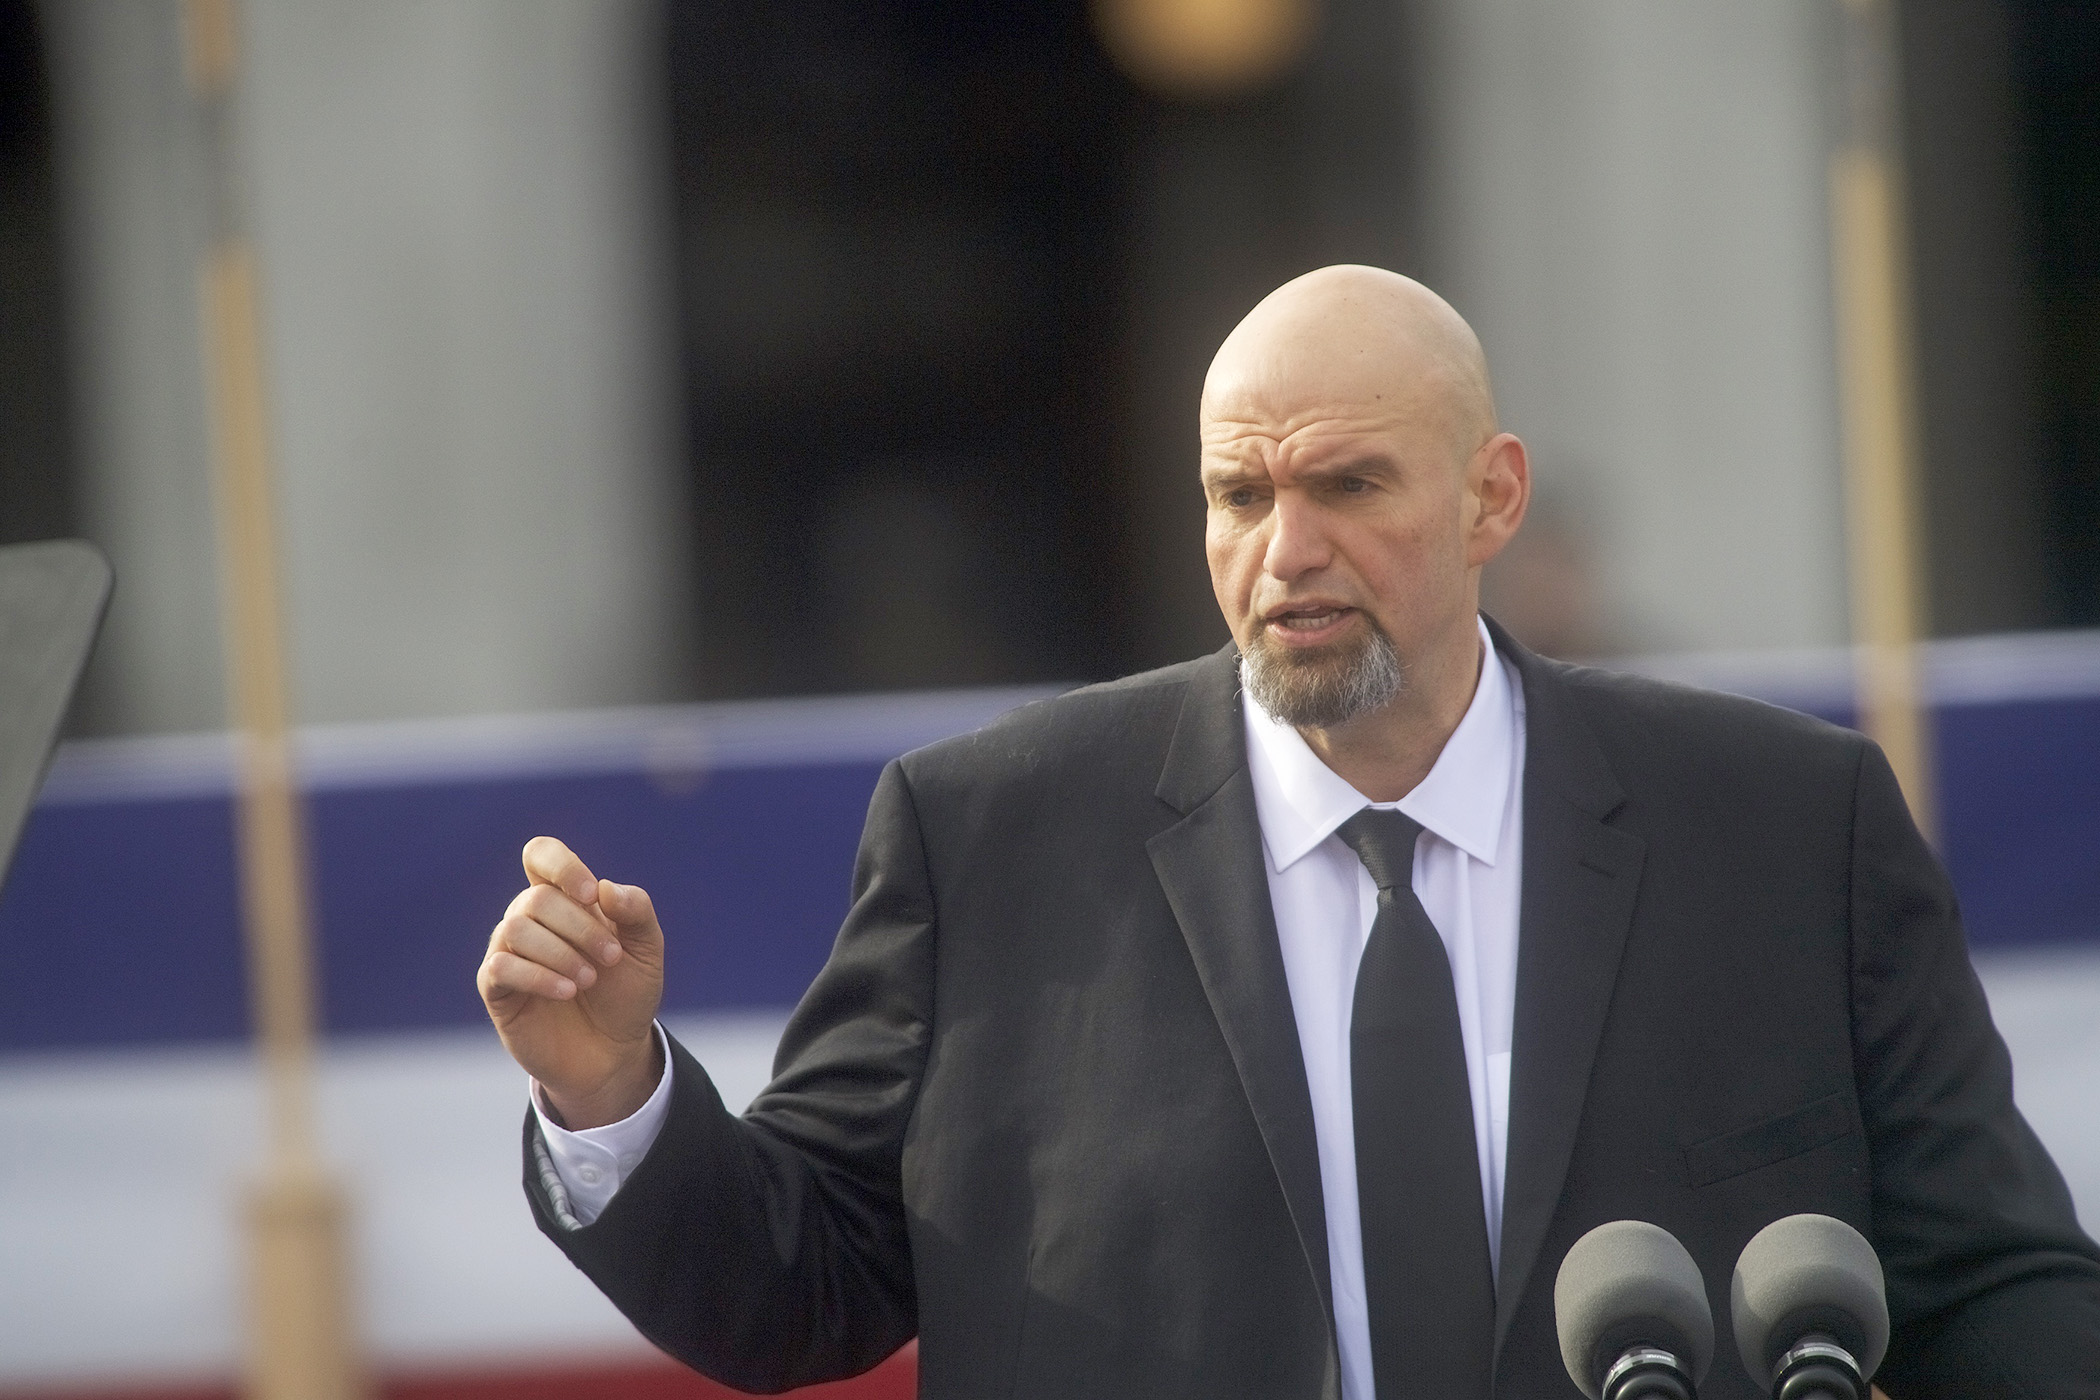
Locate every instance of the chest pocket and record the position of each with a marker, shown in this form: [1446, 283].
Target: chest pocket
[1774, 1140]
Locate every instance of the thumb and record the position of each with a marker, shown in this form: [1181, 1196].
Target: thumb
[628, 906]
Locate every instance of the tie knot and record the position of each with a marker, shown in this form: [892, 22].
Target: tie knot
[1384, 840]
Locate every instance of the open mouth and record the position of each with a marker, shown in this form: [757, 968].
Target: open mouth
[1311, 622]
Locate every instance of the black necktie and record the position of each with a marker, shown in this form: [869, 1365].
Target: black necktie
[1427, 1280]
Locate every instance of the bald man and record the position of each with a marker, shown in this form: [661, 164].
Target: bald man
[1271, 1024]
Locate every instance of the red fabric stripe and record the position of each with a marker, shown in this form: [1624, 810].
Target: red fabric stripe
[895, 1379]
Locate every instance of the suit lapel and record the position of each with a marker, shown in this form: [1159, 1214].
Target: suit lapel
[1580, 880]
[1214, 873]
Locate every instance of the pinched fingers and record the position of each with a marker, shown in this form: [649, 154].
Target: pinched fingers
[524, 938]
[628, 906]
[550, 862]
[588, 930]
[504, 974]
[545, 946]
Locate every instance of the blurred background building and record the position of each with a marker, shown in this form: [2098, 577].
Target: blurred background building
[635, 365]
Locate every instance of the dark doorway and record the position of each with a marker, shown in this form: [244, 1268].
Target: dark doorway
[949, 284]
[901, 231]
[2058, 75]
[35, 495]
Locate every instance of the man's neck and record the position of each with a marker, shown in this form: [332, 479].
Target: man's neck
[1385, 755]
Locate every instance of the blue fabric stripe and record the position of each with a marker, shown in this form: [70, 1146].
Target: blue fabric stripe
[119, 924]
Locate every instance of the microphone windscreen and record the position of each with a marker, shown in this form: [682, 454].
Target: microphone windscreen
[1802, 1274]
[1626, 1284]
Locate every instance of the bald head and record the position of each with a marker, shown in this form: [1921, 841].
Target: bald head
[1357, 341]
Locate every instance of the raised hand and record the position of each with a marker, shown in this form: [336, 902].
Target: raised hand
[573, 977]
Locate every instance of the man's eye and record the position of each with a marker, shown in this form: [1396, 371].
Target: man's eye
[1355, 485]
[1239, 499]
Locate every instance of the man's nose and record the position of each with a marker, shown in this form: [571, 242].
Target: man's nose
[1297, 542]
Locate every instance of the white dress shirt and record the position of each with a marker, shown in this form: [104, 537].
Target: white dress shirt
[1467, 868]
[589, 1166]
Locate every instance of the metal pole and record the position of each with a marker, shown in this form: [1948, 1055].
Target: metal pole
[301, 1340]
[1872, 280]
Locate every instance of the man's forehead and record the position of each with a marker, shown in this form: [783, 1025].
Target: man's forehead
[1289, 418]
[1315, 450]
[1299, 433]
[1280, 382]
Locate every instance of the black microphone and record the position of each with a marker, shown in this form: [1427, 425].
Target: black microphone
[1632, 1313]
[1811, 1320]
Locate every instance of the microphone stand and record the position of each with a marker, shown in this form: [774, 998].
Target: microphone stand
[1817, 1368]
[1648, 1373]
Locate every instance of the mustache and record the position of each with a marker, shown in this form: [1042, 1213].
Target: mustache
[1299, 607]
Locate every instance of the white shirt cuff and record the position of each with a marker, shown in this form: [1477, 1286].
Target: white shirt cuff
[590, 1165]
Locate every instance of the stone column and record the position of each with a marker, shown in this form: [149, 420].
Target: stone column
[459, 217]
[1627, 199]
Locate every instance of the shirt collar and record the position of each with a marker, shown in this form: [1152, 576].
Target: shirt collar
[1300, 800]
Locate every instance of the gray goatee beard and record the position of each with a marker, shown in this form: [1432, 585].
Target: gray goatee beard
[1329, 687]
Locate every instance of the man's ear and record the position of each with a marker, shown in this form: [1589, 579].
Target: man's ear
[1498, 481]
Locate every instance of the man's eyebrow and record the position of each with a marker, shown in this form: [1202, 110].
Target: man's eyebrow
[1234, 475]
[1362, 462]
[1230, 474]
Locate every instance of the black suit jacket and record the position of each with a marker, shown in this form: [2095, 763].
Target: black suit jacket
[1044, 1106]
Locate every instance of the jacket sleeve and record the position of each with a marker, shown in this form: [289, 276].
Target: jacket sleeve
[1993, 1288]
[770, 1251]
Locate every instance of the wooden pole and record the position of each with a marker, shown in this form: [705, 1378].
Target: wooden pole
[300, 1337]
[1870, 268]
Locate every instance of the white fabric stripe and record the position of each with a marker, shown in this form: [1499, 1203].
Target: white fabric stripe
[671, 741]
[121, 1187]
[123, 1181]
[687, 739]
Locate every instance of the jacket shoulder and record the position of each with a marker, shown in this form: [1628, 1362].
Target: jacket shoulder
[1644, 723]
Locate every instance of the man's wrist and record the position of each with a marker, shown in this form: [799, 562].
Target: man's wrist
[620, 1096]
